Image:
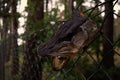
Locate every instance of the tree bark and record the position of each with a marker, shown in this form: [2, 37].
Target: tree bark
[71, 4]
[2, 56]
[14, 36]
[108, 52]
[3, 30]
[32, 69]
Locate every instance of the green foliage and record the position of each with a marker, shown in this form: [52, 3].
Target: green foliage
[30, 8]
[44, 29]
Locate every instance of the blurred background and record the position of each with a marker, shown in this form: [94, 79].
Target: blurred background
[25, 25]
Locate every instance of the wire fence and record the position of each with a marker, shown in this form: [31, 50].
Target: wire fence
[88, 64]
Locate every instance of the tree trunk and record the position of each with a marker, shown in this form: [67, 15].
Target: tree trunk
[3, 30]
[71, 4]
[108, 52]
[32, 69]
[14, 36]
[2, 52]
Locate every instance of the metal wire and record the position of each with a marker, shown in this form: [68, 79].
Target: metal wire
[88, 67]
